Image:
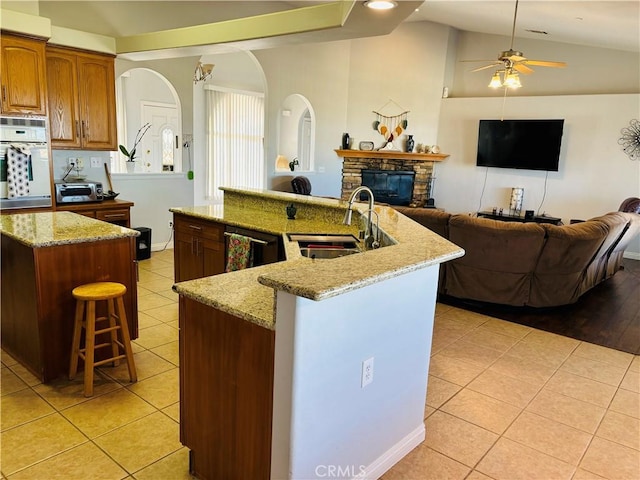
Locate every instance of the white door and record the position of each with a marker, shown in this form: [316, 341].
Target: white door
[161, 146]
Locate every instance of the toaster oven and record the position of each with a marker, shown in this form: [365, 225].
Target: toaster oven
[78, 192]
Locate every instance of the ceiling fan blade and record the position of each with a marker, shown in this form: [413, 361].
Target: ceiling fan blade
[522, 68]
[544, 63]
[493, 65]
[484, 60]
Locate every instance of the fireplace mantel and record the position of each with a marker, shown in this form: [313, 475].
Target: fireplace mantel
[429, 157]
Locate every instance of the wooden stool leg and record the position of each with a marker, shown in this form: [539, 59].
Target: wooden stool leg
[89, 349]
[115, 351]
[75, 345]
[126, 340]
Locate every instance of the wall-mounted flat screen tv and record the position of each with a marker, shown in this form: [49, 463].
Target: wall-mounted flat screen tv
[524, 144]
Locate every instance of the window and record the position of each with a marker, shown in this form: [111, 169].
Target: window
[167, 149]
[235, 134]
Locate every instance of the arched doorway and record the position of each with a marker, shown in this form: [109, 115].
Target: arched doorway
[145, 97]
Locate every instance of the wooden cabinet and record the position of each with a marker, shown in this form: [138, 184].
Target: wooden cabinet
[23, 75]
[81, 93]
[226, 393]
[199, 248]
[112, 211]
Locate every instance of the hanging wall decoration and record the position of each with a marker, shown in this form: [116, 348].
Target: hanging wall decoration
[630, 139]
[390, 126]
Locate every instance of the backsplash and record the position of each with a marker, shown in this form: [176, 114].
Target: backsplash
[93, 168]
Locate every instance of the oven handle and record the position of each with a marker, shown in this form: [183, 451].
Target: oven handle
[29, 144]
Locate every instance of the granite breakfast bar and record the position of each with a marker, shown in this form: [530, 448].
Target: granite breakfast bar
[44, 256]
[304, 367]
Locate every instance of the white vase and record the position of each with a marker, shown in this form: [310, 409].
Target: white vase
[131, 166]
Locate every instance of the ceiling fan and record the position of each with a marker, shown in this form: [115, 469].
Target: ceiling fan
[512, 62]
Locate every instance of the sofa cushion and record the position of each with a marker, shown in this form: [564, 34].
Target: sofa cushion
[435, 220]
[499, 260]
[568, 251]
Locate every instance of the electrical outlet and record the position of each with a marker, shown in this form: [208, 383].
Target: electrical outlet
[96, 162]
[367, 372]
[72, 161]
[170, 224]
[80, 163]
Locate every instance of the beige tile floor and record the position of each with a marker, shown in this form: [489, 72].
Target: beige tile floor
[504, 402]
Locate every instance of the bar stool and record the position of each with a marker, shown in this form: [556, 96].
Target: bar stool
[86, 297]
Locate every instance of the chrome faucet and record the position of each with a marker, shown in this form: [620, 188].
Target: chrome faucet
[368, 234]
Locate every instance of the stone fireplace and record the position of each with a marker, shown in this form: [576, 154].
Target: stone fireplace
[354, 161]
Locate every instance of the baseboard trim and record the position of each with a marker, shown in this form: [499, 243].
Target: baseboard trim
[158, 247]
[392, 456]
[632, 255]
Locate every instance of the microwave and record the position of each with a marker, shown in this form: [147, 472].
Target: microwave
[78, 192]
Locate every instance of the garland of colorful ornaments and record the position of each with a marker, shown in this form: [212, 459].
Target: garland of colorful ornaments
[400, 122]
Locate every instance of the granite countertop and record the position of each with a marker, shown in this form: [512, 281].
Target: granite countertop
[249, 294]
[48, 229]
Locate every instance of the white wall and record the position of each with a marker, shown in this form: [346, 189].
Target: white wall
[320, 73]
[594, 177]
[153, 195]
[323, 418]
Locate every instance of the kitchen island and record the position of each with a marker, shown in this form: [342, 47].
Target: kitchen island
[44, 256]
[307, 368]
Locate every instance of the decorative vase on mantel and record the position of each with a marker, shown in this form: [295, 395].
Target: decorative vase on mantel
[346, 140]
[131, 166]
[409, 144]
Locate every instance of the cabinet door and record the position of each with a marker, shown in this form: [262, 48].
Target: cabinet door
[96, 82]
[213, 257]
[62, 87]
[23, 78]
[187, 263]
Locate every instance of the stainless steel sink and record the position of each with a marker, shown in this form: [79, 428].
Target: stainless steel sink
[327, 252]
[320, 245]
[323, 238]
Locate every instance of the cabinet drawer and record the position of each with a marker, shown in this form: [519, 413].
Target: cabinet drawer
[112, 215]
[200, 228]
[198, 243]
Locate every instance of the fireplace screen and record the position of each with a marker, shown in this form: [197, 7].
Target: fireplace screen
[389, 186]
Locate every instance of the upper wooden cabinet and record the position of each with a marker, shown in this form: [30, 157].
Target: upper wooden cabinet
[81, 91]
[23, 75]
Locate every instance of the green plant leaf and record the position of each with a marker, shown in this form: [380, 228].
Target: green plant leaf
[124, 150]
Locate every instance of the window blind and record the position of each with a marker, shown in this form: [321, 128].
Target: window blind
[235, 133]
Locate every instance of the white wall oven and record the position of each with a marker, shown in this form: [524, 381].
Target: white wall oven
[25, 176]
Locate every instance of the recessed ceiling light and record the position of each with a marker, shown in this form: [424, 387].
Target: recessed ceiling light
[381, 4]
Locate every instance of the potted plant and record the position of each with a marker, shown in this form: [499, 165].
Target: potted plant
[131, 154]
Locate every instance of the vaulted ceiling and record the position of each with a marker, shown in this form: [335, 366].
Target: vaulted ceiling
[262, 24]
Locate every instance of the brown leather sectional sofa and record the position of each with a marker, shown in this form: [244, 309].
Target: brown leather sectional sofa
[534, 264]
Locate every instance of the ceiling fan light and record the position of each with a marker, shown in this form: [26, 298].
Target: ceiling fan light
[381, 4]
[512, 80]
[495, 81]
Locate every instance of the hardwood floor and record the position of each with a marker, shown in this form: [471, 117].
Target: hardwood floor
[607, 315]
